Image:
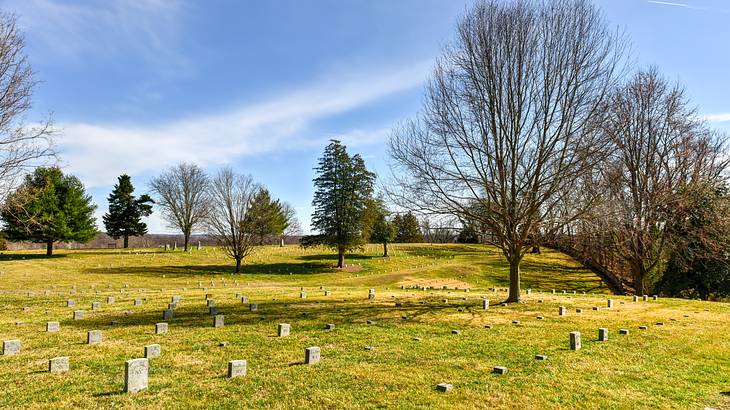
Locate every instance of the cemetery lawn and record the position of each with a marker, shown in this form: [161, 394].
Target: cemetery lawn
[684, 363]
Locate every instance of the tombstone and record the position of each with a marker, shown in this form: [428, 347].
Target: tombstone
[636, 298]
[244, 299]
[603, 334]
[138, 302]
[623, 331]
[329, 326]
[579, 310]
[499, 370]
[284, 329]
[237, 368]
[58, 364]
[575, 340]
[645, 298]
[655, 297]
[78, 314]
[596, 308]
[110, 300]
[302, 295]
[160, 328]
[53, 327]
[515, 322]
[643, 327]
[311, 355]
[444, 387]
[93, 337]
[218, 320]
[562, 310]
[456, 332]
[213, 311]
[540, 357]
[199, 246]
[529, 291]
[152, 351]
[609, 303]
[135, 375]
[254, 307]
[95, 305]
[176, 299]
[660, 323]
[210, 303]
[11, 347]
[327, 293]
[540, 317]
[167, 314]
[70, 303]
[370, 322]
[485, 304]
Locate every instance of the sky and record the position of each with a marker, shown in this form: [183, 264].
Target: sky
[135, 86]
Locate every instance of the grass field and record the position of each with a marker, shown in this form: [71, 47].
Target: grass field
[683, 364]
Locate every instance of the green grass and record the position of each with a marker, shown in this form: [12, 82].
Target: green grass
[683, 364]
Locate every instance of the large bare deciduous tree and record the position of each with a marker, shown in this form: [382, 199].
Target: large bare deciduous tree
[231, 196]
[503, 131]
[182, 193]
[658, 148]
[22, 146]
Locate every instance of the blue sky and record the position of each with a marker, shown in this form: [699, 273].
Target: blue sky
[135, 86]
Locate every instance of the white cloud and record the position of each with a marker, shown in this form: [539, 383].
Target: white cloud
[97, 153]
[146, 29]
[718, 117]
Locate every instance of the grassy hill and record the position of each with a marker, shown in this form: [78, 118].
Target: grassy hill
[684, 363]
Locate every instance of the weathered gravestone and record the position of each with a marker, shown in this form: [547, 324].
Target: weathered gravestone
[254, 307]
[167, 314]
[95, 305]
[237, 368]
[603, 334]
[311, 355]
[444, 387]
[540, 357]
[284, 329]
[160, 328]
[218, 320]
[110, 300]
[152, 351]
[136, 375]
[58, 364]
[575, 340]
[93, 337]
[562, 310]
[138, 302]
[53, 327]
[499, 370]
[70, 303]
[79, 314]
[609, 303]
[11, 347]
[485, 304]
[329, 326]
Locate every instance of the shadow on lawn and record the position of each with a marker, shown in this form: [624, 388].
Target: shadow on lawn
[28, 256]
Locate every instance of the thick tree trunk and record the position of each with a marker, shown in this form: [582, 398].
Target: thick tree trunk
[126, 241]
[238, 265]
[49, 248]
[341, 259]
[281, 243]
[187, 239]
[514, 281]
[385, 249]
[639, 283]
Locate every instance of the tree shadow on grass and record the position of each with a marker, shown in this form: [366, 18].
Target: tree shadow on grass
[333, 257]
[28, 256]
[247, 269]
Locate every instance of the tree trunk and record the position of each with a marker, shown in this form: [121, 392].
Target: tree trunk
[385, 249]
[341, 259]
[49, 248]
[514, 281]
[281, 244]
[238, 265]
[187, 239]
[639, 283]
[126, 241]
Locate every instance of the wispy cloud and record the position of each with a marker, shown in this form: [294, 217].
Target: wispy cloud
[145, 29]
[97, 153]
[718, 117]
[687, 6]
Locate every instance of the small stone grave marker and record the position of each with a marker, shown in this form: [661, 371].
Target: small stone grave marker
[53, 327]
[79, 314]
[444, 387]
[93, 337]
[160, 328]
[58, 364]
[237, 368]
[136, 375]
[284, 329]
[218, 320]
[11, 347]
[311, 355]
[152, 351]
[575, 340]
[603, 334]
[499, 370]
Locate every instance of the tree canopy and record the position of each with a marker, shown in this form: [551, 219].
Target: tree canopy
[124, 218]
[49, 207]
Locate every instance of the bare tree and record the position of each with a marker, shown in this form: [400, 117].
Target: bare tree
[658, 149]
[22, 146]
[182, 193]
[293, 227]
[503, 128]
[230, 197]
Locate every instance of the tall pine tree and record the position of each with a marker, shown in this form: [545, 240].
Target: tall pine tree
[409, 231]
[383, 231]
[124, 218]
[343, 186]
[49, 207]
[266, 216]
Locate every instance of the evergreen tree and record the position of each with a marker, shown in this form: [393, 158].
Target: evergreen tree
[48, 207]
[343, 186]
[409, 231]
[382, 231]
[266, 216]
[124, 218]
